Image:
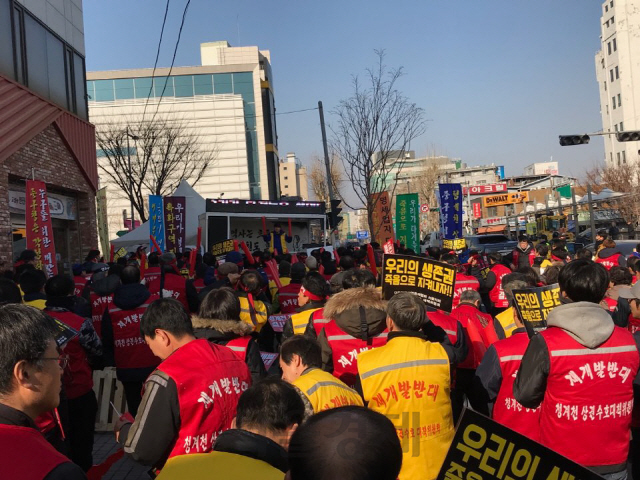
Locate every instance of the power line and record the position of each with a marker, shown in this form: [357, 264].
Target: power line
[175, 51]
[155, 65]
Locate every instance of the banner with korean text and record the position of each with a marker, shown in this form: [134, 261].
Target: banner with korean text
[382, 226]
[484, 449]
[174, 223]
[407, 211]
[451, 210]
[432, 281]
[534, 305]
[39, 229]
[156, 222]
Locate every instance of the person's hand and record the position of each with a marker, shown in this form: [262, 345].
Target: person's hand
[121, 422]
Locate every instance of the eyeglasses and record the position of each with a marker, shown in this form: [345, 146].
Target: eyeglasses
[63, 360]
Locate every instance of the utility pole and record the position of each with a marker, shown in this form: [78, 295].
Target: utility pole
[327, 165]
[592, 219]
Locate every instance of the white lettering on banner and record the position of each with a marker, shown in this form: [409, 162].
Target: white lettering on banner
[226, 384]
[513, 404]
[586, 373]
[353, 356]
[200, 443]
[594, 412]
[129, 342]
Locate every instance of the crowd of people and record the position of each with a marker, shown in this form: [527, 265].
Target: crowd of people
[362, 388]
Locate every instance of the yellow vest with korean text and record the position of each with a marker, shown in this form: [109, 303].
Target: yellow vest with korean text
[301, 320]
[259, 316]
[506, 320]
[325, 391]
[408, 380]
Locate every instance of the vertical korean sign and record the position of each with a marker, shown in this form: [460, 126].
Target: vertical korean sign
[174, 223]
[156, 221]
[382, 227]
[407, 208]
[451, 210]
[39, 229]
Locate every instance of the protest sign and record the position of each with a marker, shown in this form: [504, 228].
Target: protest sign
[220, 249]
[39, 228]
[454, 244]
[119, 254]
[277, 322]
[64, 333]
[451, 210]
[407, 207]
[432, 281]
[156, 222]
[268, 359]
[388, 247]
[174, 223]
[483, 449]
[382, 225]
[534, 305]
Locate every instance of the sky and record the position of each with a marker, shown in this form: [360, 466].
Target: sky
[498, 80]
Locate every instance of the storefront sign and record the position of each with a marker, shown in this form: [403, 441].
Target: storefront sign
[534, 305]
[432, 281]
[156, 222]
[451, 210]
[174, 221]
[60, 206]
[484, 189]
[477, 210]
[407, 220]
[39, 229]
[382, 227]
[505, 199]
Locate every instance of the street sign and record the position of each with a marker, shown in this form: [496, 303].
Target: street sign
[424, 208]
[362, 234]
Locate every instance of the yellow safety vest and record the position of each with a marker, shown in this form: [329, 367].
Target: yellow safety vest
[325, 391]
[273, 288]
[39, 303]
[261, 313]
[301, 320]
[198, 466]
[506, 320]
[408, 380]
[283, 243]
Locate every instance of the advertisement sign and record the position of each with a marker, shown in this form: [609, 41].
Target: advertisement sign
[407, 221]
[505, 199]
[60, 206]
[382, 227]
[362, 234]
[500, 172]
[534, 305]
[451, 210]
[156, 221]
[174, 223]
[432, 281]
[484, 449]
[477, 210]
[484, 189]
[39, 229]
[264, 206]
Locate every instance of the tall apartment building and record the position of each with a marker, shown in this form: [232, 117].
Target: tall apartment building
[293, 178]
[618, 72]
[44, 132]
[227, 102]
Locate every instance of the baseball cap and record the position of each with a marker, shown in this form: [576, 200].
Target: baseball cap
[630, 292]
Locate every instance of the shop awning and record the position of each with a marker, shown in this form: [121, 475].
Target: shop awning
[492, 229]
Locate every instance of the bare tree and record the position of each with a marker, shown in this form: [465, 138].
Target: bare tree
[163, 153]
[318, 178]
[374, 129]
[427, 181]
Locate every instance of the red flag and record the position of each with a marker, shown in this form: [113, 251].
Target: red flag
[39, 228]
[372, 260]
[112, 253]
[388, 247]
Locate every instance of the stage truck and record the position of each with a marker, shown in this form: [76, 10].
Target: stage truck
[245, 220]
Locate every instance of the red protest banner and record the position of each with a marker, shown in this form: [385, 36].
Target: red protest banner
[39, 229]
[382, 225]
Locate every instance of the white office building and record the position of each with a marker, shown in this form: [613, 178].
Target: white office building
[293, 177]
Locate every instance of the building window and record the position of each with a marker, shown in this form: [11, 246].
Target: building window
[621, 126]
[609, 48]
[616, 127]
[606, 8]
[619, 101]
[615, 46]
[617, 73]
[618, 157]
[605, 85]
[613, 100]
[492, 211]
[286, 186]
[284, 168]
[624, 156]
[611, 20]
[611, 157]
[611, 4]
[286, 178]
[607, 109]
[611, 74]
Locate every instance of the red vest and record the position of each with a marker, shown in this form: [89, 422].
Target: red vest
[479, 330]
[152, 274]
[464, 282]
[209, 379]
[609, 262]
[506, 409]
[447, 323]
[198, 284]
[586, 412]
[239, 346]
[345, 350]
[175, 286]
[79, 283]
[77, 377]
[516, 256]
[319, 322]
[130, 349]
[288, 298]
[98, 306]
[634, 324]
[496, 295]
[28, 456]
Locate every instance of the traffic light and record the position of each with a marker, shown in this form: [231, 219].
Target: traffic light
[628, 136]
[334, 219]
[568, 140]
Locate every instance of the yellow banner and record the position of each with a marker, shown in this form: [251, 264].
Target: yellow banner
[505, 199]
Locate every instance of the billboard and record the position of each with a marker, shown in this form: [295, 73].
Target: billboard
[505, 199]
[484, 189]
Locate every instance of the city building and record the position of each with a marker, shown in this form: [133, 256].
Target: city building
[542, 168]
[227, 103]
[293, 178]
[44, 132]
[618, 71]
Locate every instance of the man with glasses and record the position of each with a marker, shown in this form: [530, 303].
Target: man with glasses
[30, 381]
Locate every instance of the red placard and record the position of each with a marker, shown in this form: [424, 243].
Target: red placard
[483, 189]
[388, 247]
[39, 229]
[477, 210]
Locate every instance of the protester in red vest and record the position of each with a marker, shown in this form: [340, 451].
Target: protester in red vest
[190, 398]
[170, 284]
[123, 345]
[103, 286]
[78, 376]
[463, 281]
[219, 322]
[288, 295]
[524, 254]
[79, 280]
[30, 383]
[619, 279]
[311, 299]
[582, 370]
[194, 286]
[609, 257]
[491, 285]
[152, 272]
[495, 375]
